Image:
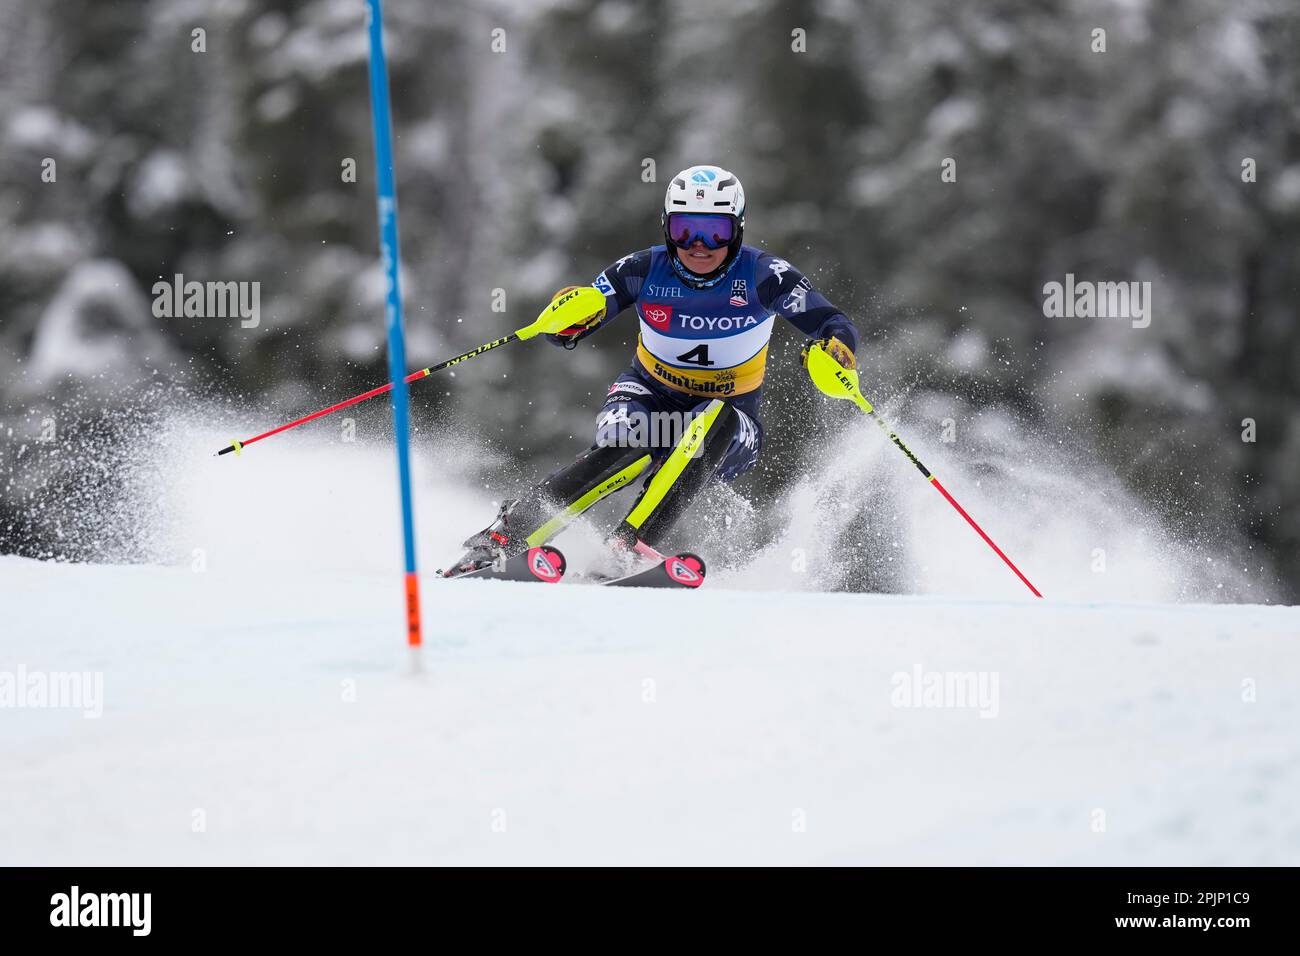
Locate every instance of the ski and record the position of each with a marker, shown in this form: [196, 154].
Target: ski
[684, 570]
[545, 565]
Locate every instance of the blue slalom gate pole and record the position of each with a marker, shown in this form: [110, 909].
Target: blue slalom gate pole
[387, 193]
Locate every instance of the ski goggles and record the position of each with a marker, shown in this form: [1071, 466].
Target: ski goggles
[712, 229]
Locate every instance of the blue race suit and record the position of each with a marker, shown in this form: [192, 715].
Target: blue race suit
[696, 345]
[700, 360]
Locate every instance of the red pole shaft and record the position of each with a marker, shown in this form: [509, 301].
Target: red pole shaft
[962, 511]
[237, 446]
[334, 408]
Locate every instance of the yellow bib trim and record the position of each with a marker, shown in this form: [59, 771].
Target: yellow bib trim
[706, 383]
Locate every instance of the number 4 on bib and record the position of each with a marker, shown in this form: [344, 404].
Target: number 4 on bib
[696, 356]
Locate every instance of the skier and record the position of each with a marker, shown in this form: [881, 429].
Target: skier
[706, 305]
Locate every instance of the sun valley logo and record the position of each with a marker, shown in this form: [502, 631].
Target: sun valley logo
[719, 385]
[659, 316]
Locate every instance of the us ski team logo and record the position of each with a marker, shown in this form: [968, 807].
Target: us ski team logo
[739, 293]
[659, 316]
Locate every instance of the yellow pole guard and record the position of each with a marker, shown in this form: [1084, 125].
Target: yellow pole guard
[833, 379]
[238, 446]
[674, 464]
[613, 483]
[569, 309]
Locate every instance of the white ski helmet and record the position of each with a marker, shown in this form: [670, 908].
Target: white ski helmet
[705, 191]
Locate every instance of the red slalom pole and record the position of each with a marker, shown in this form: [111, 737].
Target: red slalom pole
[577, 305]
[962, 511]
[238, 446]
[834, 380]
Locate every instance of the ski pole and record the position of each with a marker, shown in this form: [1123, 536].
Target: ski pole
[839, 382]
[567, 310]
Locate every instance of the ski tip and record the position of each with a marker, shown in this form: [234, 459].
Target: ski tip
[542, 563]
[546, 564]
[686, 569]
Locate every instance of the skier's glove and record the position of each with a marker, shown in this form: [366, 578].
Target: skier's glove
[569, 338]
[835, 349]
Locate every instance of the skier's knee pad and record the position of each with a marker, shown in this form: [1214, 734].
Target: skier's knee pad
[733, 441]
[719, 433]
[686, 469]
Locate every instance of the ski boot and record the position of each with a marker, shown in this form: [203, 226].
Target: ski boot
[626, 555]
[489, 546]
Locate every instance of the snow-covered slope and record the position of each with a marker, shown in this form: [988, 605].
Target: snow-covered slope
[275, 715]
[258, 706]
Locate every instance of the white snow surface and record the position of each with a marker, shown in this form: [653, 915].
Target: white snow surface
[259, 705]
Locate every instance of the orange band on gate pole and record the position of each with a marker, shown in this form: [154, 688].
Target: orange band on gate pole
[413, 610]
